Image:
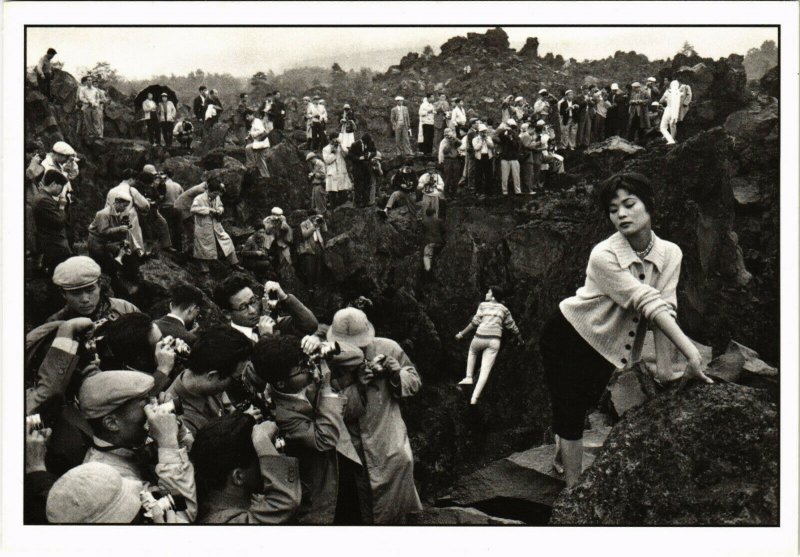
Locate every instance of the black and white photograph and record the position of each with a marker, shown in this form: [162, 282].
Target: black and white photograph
[520, 272]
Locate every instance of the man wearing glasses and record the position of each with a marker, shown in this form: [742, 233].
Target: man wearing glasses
[254, 317]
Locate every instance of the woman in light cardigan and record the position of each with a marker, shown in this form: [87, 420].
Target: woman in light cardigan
[631, 282]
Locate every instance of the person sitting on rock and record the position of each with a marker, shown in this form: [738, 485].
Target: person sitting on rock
[256, 151]
[404, 183]
[311, 248]
[431, 185]
[184, 131]
[316, 175]
[279, 237]
[631, 285]
[489, 322]
[108, 235]
[209, 235]
[255, 253]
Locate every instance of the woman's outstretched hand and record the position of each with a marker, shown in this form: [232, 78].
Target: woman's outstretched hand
[694, 370]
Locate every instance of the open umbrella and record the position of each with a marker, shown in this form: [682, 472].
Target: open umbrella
[156, 90]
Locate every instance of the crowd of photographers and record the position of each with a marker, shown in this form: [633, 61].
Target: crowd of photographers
[269, 418]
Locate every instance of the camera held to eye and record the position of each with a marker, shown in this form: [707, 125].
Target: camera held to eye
[34, 423]
[157, 503]
[182, 350]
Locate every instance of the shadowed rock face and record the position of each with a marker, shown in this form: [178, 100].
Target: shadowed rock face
[707, 456]
[536, 247]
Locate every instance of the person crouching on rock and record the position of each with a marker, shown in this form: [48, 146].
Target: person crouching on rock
[631, 282]
[490, 320]
[208, 232]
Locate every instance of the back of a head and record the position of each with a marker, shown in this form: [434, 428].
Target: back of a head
[128, 339]
[220, 446]
[222, 349]
[499, 293]
[184, 295]
[229, 287]
[54, 176]
[275, 356]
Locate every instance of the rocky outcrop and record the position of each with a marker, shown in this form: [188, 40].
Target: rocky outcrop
[705, 456]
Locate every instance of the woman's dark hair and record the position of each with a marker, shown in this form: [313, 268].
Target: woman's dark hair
[498, 293]
[220, 446]
[632, 182]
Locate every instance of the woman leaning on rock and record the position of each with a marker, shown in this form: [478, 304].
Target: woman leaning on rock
[631, 282]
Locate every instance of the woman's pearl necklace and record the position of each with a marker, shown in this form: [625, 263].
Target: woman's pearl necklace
[642, 254]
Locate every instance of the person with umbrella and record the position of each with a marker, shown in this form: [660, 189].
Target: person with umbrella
[150, 110]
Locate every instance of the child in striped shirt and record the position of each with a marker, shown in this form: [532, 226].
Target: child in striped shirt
[490, 320]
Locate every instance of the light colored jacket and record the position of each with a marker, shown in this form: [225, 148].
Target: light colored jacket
[336, 176]
[478, 143]
[426, 112]
[166, 112]
[400, 117]
[621, 294]
[208, 230]
[458, 117]
[380, 437]
[139, 203]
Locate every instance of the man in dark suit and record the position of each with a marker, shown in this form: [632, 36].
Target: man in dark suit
[184, 306]
[50, 220]
[277, 112]
[200, 103]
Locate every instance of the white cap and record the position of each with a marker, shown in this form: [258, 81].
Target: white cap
[277, 212]
[63, 148]
[651, 80]
[482, 128]
[519, 99]
[540, 122]
[636, 84]
[399, 98]
[614, 87]
[124, 195]
[511, 122]
[568, 91]
[150, 169]
[542, 91]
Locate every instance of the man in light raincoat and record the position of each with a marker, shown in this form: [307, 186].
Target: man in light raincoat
[209, 235]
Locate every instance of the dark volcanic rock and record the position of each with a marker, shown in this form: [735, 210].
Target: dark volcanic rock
[771, 82]
[706, 456]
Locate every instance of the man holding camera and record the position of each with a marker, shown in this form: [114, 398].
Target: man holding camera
[337, 178]
[283, 313]
[210, 367]
[256, 150]
[404, 183]
[311, 249]
[279, 237]
[509, 156]
[431, 185]
[242, 477]
[309, 415]
[483, 147]
[116, 406]
[109, 232]
[137, 203]
[377, 429]
[51, 221]
[210, 237]
[185, 302]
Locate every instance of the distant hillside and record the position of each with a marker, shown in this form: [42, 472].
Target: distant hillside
[377, 60]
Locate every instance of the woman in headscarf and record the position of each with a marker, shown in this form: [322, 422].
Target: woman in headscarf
[672, 99]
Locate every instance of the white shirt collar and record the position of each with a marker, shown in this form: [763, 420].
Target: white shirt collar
[246, 331]
[176, 317]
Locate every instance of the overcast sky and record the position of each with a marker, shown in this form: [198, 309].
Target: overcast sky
[144, 52]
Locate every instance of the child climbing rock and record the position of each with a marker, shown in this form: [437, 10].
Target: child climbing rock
[490, 320]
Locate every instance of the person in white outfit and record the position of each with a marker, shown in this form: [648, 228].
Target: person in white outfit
[671, 98]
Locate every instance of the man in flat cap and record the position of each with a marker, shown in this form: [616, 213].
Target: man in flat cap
[44, 73]
[115, 403]
[62, 158]
[401, 124]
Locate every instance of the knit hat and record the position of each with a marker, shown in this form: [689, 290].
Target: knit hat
[351, 325]
[63, 148]
[106, 391]
[76, 272]
[93, 493]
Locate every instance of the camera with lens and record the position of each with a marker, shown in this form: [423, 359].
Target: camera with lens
[156, 503]
[126, 220]
[326, 351]
[182, 350]
[172, 406]
[34, 423]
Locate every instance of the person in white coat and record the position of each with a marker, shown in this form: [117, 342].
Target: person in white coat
[672, 99]
[209, 235]
[431, 184]
[337, 180]
[458, 117]
[140, 204]
[425, 133]
[256, 151]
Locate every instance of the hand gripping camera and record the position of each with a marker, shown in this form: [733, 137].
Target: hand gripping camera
[156, 503]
